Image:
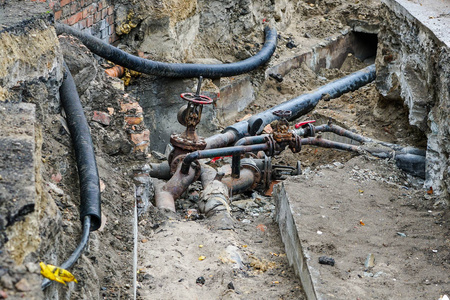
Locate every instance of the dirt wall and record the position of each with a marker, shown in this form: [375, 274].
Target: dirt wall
[412, 67]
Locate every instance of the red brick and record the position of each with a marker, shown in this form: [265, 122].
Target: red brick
[131, 107]
[82, 24]
[65, 21]
[89, 21]
[101, 117]
[104, 13]
[73, 8]
[97, 17]
[64, 2]
[75, 18]
[58, 15]
[42, 0]
[140, 138]
[110, 10]
[110, 20]
[100, 5]
[113, 37]
[134, 120]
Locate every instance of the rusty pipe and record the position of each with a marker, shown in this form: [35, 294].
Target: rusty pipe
[166, 195]
[191, 157]
[221, 139]
[320, 142]
[238, 185]
[251, 140]
[342, 132]
[160, 171]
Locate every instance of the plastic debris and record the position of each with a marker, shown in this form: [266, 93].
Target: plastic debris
[444, 297]
[401, 234]
[319, 232]
[362, 223]
[370, 261]
[56, 274]
[201, 258]
[200, 246]
[325, 260]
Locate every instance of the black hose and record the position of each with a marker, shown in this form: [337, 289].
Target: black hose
[146, 66]
[77, 252]
[84, 152]
[306, 102]
[191, 157]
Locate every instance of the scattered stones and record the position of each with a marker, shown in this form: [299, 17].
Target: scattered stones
[290, 44]
[200, 280]
[401, 234]
[325, 260]
[101, 117]
[230, 286]
[23, 285]
[277, 77]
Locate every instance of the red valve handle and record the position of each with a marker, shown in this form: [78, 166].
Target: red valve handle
[298, 125]
[197, 99]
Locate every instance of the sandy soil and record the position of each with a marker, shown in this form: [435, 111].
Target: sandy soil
[389, 239]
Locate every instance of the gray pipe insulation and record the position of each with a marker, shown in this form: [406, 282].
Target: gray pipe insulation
[178, 70]
[298, 106]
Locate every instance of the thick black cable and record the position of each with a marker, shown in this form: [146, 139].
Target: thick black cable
[77, 252]
[179, 70]
[84, 151]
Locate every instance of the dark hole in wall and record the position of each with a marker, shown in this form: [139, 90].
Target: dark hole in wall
[364, 45]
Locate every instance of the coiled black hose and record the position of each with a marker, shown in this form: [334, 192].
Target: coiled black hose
[179, 70]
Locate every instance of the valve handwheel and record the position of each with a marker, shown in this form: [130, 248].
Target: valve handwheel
[197, 99]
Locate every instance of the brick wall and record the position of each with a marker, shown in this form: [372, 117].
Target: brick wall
[95, 17]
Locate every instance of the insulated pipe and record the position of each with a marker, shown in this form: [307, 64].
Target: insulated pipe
[160, 171]
[230, 135]
[84, 152]
[179, 70]
[191, 157]
[306, 102]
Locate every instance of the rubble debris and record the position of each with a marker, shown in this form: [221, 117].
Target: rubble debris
[324, 260]
[200, 280]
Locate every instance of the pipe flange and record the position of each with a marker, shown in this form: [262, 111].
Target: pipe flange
[271, 142]
[256, 172]
[179, 140]
[296, 143]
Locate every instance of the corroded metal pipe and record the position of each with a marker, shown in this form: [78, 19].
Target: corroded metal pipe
[318, 141]
[251, 140]
[191, 157]
[166, 195]
[238, 185]
[342, 132]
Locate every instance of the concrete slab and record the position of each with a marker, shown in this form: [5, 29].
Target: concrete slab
[348, 213]
[434, 14]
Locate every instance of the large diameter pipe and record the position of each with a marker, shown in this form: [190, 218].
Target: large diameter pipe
[166, 195]
[241, 184]
[199, 154]
[306, 102]
[179, 70]
[84, 152]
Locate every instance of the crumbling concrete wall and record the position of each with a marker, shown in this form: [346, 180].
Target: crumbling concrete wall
[413, 66]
